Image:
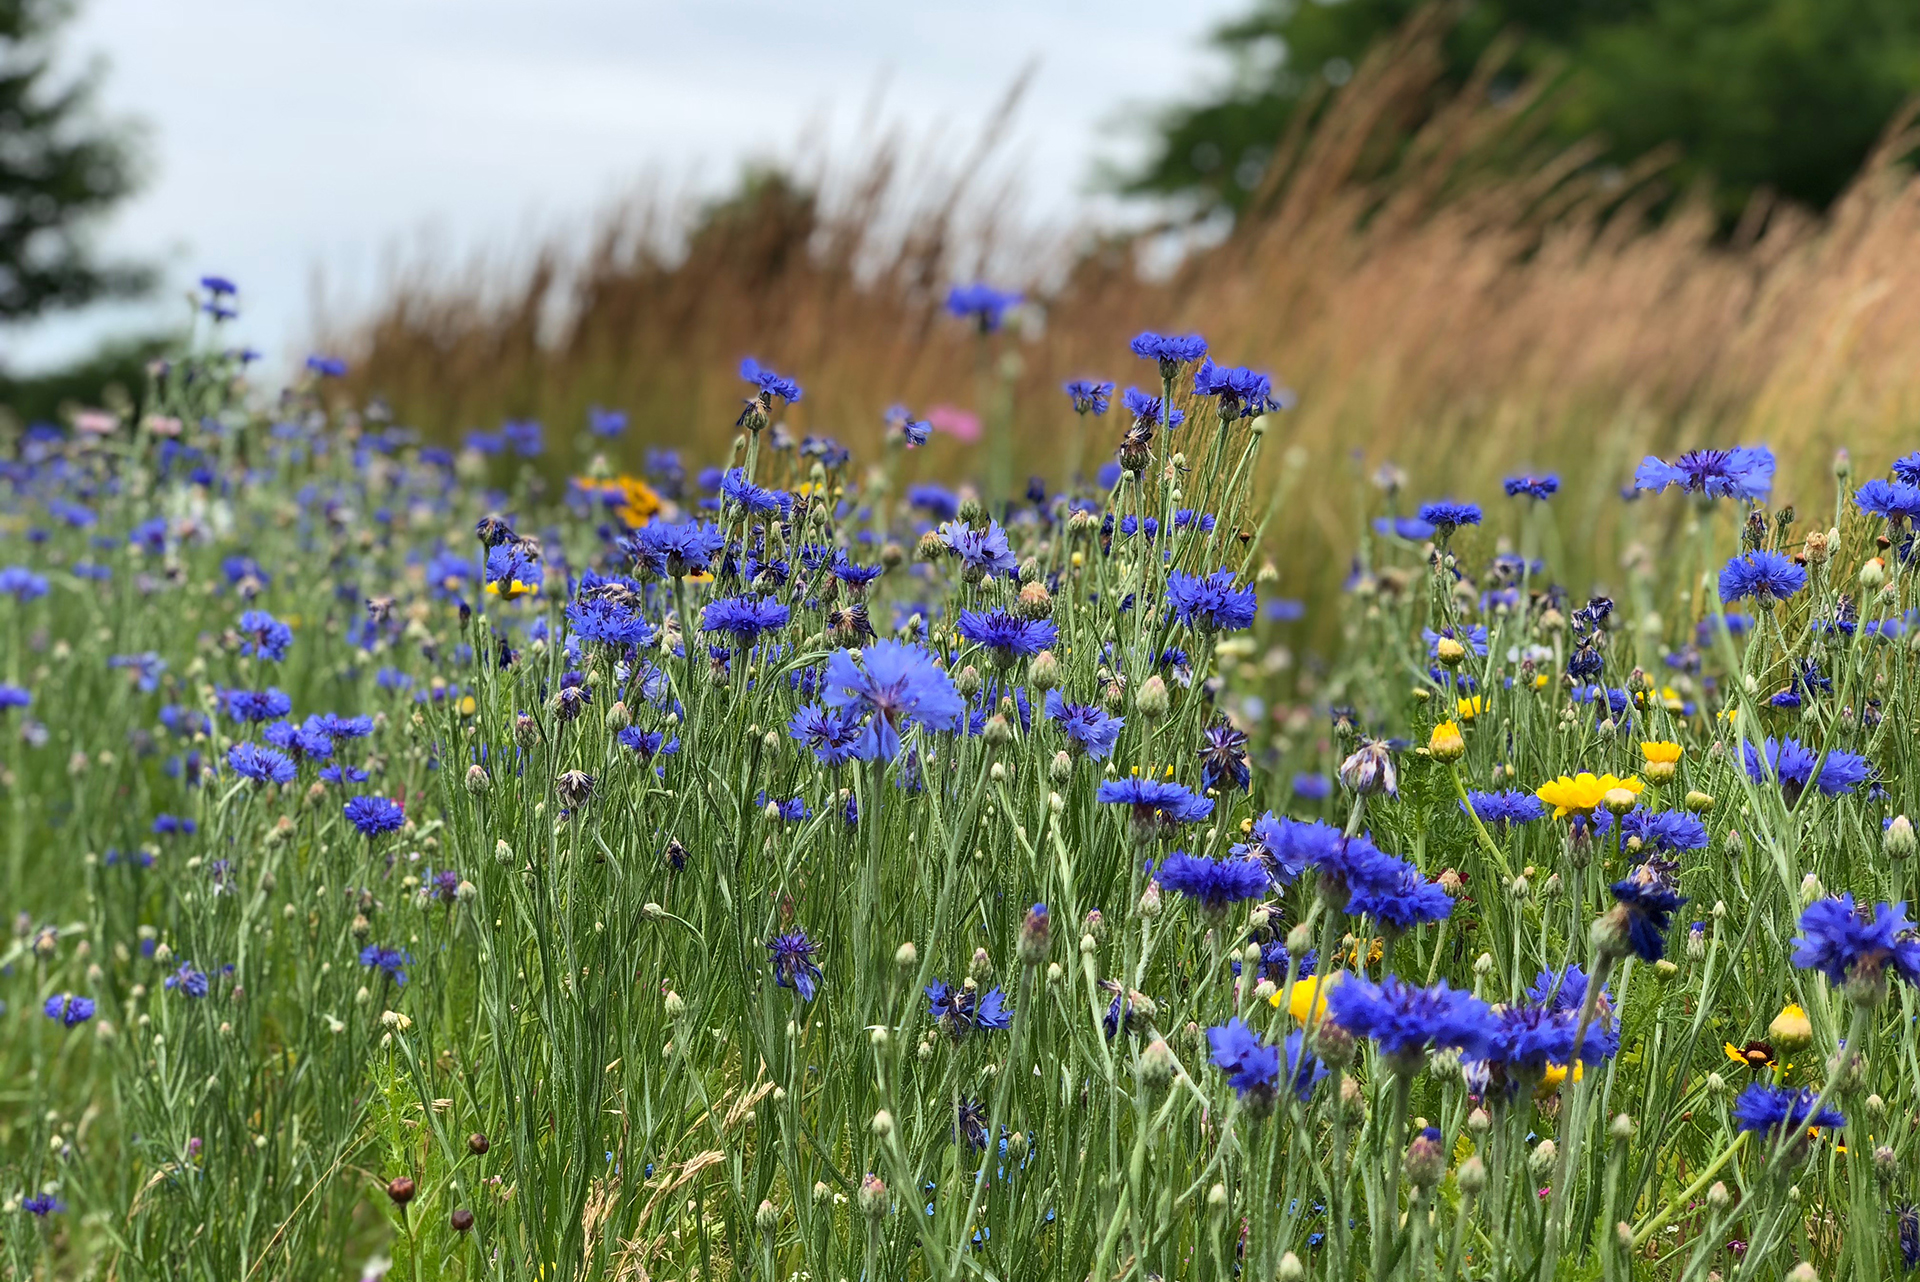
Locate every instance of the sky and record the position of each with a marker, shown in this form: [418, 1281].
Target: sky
[302, 150]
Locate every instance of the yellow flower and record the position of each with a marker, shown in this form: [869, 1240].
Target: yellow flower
[467, 706]
[1468, 709]
[513, 589]
[1658, 753]
[631, 498]
[1791, 1027]
[1541, 681]
[1445, 743]
[1583, 793]
[1300, 999]
[1754, 1055]
[1556, 1076]
[1670, 699]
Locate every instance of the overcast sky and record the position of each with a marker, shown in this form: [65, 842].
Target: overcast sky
[289, 140]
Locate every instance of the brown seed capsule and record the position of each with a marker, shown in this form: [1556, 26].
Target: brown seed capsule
[400, 1189]
[462, 1220]
[477, 1144]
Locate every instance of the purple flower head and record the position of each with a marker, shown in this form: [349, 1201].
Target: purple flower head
[187, 981]
[22, 584]
[1446, 516]
[1087, 728]
[1156, 806]
[1764, 576]
[744, 619]
[1537, 487]
[1223, 758]
[985, 553]
[675, 551]
[1841, 941]
[391, 962]
[1664, 831]
[1147, 410]
[769, 383]
[301, 742]
[1744, 472]
[833, 734]
[1406, 1022]
[1348, 866]
[1898, 502]
[1645, 902]
[327, 366]
[1216, 884]
[12, 696]
[256, 705]
[1780, 1110]
[375, 815]
[982, 304]
[41, 1205]
[1249, 1063]
[1791, 763]
[792, 957]
[263, 765]
[1007, 637]
[735, 487]
[266, 637]
[1286, 846]
[895, 686]
[1502, 809]
[69, 1010]
[610, 622]
[606, 422]
[1211, 604]
[1409, 900]
[1169, 351]
[1242, 393]
[965, 1009]
[1088, 396]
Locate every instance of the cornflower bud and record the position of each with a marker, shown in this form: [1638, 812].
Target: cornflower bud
[479, 783]
[1472, 1176]
[1156, 1065]
[1699, 802]
[1898, 840]
[1036, 934]
[1426, 1161]
[1541, 1160]
[873, 1197]
[1152, 700]
[1043, 673]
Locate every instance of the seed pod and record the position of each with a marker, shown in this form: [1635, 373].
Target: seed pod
[400, 1190]
[461, 1220]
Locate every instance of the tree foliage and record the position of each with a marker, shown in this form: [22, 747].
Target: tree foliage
[1783, 95]
[60, 168]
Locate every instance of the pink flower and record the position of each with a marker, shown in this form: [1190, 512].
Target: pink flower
[955, 421]
[96, 422]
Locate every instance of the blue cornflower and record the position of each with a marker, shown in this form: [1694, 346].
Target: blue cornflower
[607, 621]
[1171, 351]
[1211, 604]
[327, 366]
[792, 810]
[218, 285]
[174, 826]
[1249, 1063]
[605, 422]
[1500, 809]
[263, 765]
[1223, 758]
[301, 742]
[1311, 787]
[1008, 637]
[1663, 830]
[1838, 939]
[1446, 516]
[1087, 728]
[792, 956]
[524, 437]
[833, 734]
[375, 815]
[1410, 528]
[1780, 1110]
[1156, 806]
[856, 577]
[982, 304]
[743, 618]
[1566, 990]
[12, 696]
[335, 726]
[1286, 846]
[1284, 610]
[675, 551]
[1088, 396]
[512, 570]
[937, 501]
[267, 637]
[187, 981]
[1348, 866]
[736, 487]
[391, 962]
[1409, 900]
[647, 744]
[1791, 763]
[68, 1009]
[984, 552]
[1907, 468]
[41, 1205]
[964, 1009]
[150, 535]
[342, 774]
[899, 686]
[769, 383]
[1764, 576]
[1405, 1022]
[1744, 472]
[1643, 909]
[1473, 638]
[1529, 1038]
[1215, 883]
[22, 584]
[1242, 393]
[1538, 487]
[1897, 501]
[1146, 409]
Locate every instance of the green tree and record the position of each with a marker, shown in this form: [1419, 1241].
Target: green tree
[60, 168]
[1782, 94]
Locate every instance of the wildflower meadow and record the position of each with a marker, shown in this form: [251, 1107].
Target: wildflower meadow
[547, 857]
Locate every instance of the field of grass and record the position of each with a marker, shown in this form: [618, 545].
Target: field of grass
[802, 868]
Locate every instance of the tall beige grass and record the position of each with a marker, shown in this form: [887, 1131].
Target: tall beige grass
[1462, 317]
